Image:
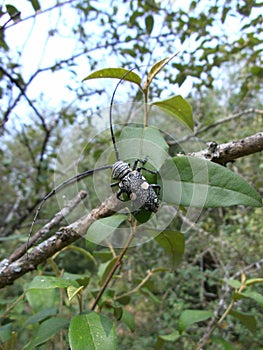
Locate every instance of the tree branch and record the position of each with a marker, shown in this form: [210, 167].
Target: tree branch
[229, 118]
[9, 272]
[228, 152]
[22, 88]
[20, 263]
[40, 234]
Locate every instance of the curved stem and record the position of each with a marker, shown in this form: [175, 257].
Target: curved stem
[115, 266]
[137, 288]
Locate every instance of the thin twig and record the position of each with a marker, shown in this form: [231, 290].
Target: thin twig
[216, 123]
[216, 320]
[40, 12]
[40, 234]
[115, 266]
[23, 92]
[229, 118]
[137, 288]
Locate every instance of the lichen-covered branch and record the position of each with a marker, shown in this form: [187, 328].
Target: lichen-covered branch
[44, 231]
[228, 152]
[9, 272]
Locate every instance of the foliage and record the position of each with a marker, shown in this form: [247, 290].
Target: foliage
[168, 290]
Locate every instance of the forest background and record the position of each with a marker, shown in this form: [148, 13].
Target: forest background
[51, 119]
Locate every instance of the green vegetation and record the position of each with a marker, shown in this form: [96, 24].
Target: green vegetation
[189, 277]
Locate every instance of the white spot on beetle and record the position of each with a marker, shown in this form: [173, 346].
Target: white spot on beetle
[145, 185]
[133, 196]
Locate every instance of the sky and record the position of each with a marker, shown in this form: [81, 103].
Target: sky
[41, 49]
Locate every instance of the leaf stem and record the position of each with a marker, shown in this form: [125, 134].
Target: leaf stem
[146, 107]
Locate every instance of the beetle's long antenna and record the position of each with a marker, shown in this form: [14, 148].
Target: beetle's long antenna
[81, 176]
[55, 190]
[111, 107]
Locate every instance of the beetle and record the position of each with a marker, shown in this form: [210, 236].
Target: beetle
[132, 185]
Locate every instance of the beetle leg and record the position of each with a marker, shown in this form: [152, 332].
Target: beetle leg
[148, 170]
[157, 187]
[142, 161]
[119, 193]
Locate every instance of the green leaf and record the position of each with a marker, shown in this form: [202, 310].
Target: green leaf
[35, 4]
[237, 296]
[92, 332]
[81, 279]
[106, 268]
[128, 319]
[13, 13]
[144, 215]
[224, 13]
[255, 296]
[118, 311]
[41, 315]
[117, 73]
[258, 71]
[150, 295]
[195, 182]
[5, 332]
[233, 283]
[252, 281]
[192, 5]
[180, 78]
[103, 228]
[248, 320]
[46, 330]
[84, 281]
[222, 341]
[4, 45]
[173, 243]
[171, 338]
[179, 108]
[50, 282]
[149, 22]
[42, 298]
[139, 142]
[124, 300]
[103, 255]
[189, 317]
[73, 291]
[157, 67]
